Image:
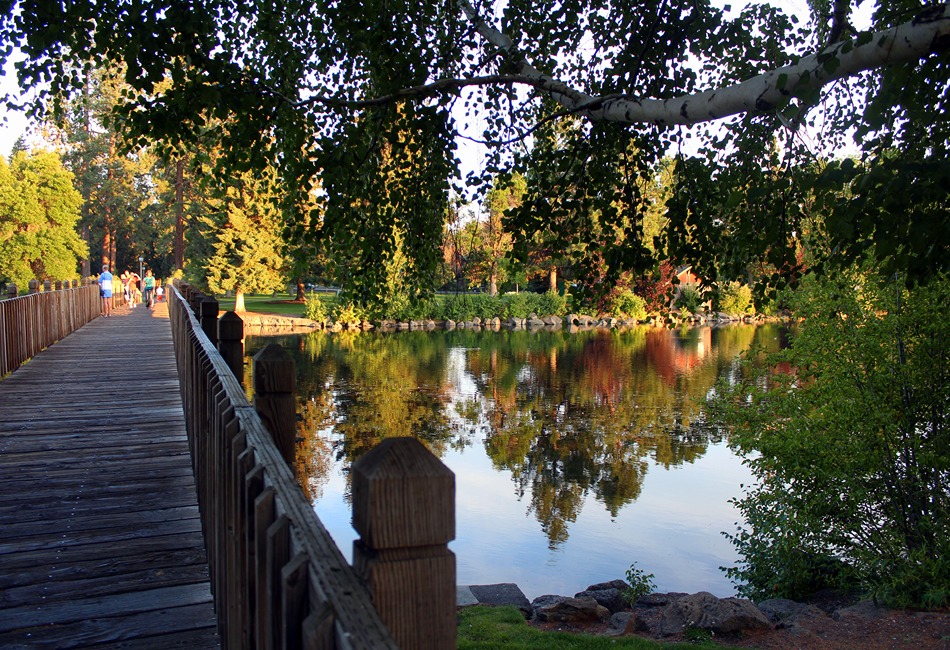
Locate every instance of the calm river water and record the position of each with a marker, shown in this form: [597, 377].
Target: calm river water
[575, 454]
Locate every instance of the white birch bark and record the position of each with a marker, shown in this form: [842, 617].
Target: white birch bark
[926, 34]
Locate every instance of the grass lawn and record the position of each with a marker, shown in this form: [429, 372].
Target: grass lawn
[488, 628]
[269, 304]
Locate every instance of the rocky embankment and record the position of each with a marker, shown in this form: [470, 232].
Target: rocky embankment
[255, 323]
[831, 620]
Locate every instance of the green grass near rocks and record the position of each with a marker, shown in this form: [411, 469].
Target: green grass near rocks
[491, 628]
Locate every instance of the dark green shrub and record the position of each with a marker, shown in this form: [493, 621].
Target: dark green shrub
[629, 305]
[315, 308]
[517, 305]
[690, 298]
[849, 446]
[735, 298]
[467, 306]
[641, 584]
[550, 304]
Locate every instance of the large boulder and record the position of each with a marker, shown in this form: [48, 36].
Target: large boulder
[626, 623]
[611, 598]
[562, 609]
[726, 616]
[660, 599]
[619, 585]
[786, 613]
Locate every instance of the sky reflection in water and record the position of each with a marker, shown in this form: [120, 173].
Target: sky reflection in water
[574, 454]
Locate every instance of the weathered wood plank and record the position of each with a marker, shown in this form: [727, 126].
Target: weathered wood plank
[145, 556]
[140, 631]
[100, 540]
[61, 525]
[108, 559]
[131, 501]
[59, 541]
[151, 578]
[192, 626]
[149, 600]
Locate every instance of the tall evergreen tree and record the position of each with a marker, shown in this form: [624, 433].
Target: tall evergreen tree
[236, 244]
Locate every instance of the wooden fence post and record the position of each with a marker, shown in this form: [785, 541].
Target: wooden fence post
[274, 387]
[34, 286]
[47, 286]
[231, 343]
[404, 511]
[209, 318]
[12, 291]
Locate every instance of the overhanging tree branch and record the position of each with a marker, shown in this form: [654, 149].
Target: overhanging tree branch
[926, 34]
[923, 36]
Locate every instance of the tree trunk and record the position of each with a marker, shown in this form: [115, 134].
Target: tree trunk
[492, 285]
[179, 246]
[86, 237]
[552, 280]
[301, 292]
[106, 244]
[87, 269]
[239, 301]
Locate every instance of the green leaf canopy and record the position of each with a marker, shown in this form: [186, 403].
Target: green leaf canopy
[367, 100]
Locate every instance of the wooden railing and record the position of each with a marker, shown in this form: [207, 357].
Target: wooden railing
[279, 580]
[31, 323]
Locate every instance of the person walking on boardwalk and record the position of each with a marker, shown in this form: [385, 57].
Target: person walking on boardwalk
[105, 290]
[132, 287]
[149, 286]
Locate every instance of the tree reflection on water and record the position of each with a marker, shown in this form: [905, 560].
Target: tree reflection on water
[565, 414]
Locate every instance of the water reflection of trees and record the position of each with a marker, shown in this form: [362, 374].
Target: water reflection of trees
[355, 390]
[587, 411]
[567, 415]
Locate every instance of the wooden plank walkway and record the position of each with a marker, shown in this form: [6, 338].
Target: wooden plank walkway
[100, 541]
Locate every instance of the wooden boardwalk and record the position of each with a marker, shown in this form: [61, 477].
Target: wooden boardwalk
[100, 540]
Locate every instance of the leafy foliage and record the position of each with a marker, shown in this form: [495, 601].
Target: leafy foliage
[629, 305]
[846, 433]
[39, 211]
[736, 298]
[315, 309]
[348, 312]
[689, 298]
[641, 584]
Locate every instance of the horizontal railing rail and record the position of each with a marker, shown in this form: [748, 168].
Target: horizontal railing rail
[279, 580]
[31, 323]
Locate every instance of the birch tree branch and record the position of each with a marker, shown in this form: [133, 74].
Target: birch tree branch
[927, 34]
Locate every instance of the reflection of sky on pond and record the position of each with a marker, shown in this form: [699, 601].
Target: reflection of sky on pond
[672, 529]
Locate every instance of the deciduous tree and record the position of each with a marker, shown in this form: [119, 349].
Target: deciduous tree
[39, 211]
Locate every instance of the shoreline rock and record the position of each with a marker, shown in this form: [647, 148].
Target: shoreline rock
[262, 324]
[667, 615]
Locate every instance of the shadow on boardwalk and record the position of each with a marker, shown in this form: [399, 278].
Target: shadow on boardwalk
[100, 540]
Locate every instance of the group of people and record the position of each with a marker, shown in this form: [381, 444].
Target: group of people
[135, 289]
